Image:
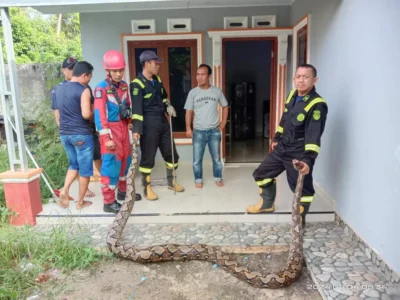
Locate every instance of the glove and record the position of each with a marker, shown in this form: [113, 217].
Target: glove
[171, 111]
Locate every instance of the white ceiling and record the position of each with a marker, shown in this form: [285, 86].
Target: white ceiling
[66, 6]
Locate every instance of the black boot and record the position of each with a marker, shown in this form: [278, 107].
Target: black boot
[266, 203]
[112, 208]
[304, 208]
[121, 196]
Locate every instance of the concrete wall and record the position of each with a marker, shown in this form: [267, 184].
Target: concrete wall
[359, 163]
[35, 82]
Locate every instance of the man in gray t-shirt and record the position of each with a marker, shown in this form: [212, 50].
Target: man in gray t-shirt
[203, 101]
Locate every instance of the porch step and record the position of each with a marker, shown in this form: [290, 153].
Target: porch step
[195, 217]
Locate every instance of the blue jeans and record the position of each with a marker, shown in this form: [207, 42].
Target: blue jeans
[211, 137]
[79, 150]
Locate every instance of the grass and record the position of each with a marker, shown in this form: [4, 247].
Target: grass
[27, 255]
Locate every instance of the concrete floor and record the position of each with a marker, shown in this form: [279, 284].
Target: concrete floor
[211, 204]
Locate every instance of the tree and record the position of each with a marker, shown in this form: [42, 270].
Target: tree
[36, 40]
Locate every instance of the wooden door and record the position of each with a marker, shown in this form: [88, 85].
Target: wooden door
[177, 71]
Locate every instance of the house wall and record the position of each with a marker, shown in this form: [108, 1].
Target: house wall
[359, 162]
[101, 32]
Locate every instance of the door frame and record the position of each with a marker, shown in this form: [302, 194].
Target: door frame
[281, 34]
[299, 27]
[273, 72]
[198, 36]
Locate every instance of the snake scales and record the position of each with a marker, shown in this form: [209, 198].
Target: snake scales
[173, 252]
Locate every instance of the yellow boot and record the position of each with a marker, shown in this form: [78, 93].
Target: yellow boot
[148, 192]
[171, 181]
[267, 201]
[304, 208]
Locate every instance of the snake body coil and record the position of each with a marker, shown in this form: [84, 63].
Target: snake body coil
[214, 254]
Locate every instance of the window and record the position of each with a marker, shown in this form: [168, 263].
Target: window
[178, 72]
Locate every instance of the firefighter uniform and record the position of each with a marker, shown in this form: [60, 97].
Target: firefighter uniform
[298, 137]
[116, 162]
[112, 116]
[149, 105]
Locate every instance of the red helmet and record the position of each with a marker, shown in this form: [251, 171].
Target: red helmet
[113, 60]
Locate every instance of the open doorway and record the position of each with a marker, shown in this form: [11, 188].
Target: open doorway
[247, 86]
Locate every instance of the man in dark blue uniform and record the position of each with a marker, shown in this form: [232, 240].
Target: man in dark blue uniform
[298, 139]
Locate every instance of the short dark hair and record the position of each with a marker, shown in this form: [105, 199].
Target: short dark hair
[206, 66]
[308, 66]
[82, 68]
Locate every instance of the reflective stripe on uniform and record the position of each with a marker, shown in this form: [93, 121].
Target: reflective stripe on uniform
[144, 170]
[312, 147]
[280, 129]
[159, 79]
[169, 165]
[307, 199]
[137, 117]
[165, 100]
[290, 96]
[139, 82]
[313, 102]
[148, 96]
[264, 181]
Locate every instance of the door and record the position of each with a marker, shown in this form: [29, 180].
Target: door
[177, 71]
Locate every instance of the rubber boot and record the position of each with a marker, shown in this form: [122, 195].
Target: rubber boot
[148, 192]
[304, 208]
[121, 196]
[267, 200]
[170, 179]
[112, 208]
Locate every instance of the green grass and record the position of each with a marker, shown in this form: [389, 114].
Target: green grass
[26, 253]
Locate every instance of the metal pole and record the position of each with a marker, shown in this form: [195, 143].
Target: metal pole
[3, 93]
[172, 150]
[15, 99]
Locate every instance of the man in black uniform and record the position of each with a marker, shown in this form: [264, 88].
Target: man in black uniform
[149, 105]
[298, 139]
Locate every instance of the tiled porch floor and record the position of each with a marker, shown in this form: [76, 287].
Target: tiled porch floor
[211, 204]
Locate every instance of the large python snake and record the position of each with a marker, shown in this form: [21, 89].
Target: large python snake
[214, 254]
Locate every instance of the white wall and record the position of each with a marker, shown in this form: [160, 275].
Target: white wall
[355, 47]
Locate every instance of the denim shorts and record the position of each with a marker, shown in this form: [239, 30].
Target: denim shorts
[79, 150]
